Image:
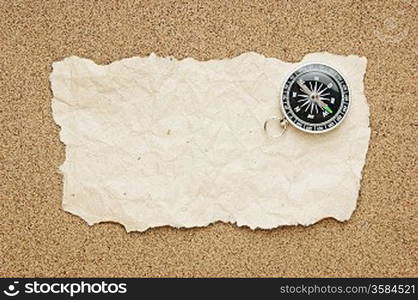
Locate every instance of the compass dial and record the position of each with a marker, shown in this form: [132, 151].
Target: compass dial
[315, 98]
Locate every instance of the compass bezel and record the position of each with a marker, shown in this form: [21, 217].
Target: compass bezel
[304, 125]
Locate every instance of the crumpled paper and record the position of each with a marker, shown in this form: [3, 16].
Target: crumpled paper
[154, 141]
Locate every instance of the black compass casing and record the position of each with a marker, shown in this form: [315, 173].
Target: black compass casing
[315, 98]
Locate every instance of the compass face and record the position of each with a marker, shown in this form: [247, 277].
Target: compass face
[315, 98]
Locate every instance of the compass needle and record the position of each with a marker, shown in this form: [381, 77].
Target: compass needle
[328, 109]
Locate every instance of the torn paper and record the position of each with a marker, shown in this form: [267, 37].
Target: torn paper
[157, 141]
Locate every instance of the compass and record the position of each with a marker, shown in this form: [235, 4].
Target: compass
[315, 98]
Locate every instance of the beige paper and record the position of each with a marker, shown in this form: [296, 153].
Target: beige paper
[157, 141]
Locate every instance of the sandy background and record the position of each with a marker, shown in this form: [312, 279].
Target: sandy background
[37, 238]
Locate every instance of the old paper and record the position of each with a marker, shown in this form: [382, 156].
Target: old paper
[154, 141]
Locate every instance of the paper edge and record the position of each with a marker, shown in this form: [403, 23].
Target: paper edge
[93, 219]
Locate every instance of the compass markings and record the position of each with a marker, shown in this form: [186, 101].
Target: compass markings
[311, 101]
[306, 103]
